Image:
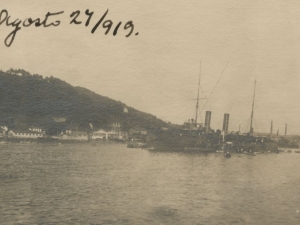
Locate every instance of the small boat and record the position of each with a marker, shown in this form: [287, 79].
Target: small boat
[297, 151]
[227, 155]
[137, 144]
[289, 151]
[250, 153]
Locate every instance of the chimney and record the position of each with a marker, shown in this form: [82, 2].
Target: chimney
[225, 123]
[207, 120]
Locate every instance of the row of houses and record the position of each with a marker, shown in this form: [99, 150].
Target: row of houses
[30, 133]
[35, 133]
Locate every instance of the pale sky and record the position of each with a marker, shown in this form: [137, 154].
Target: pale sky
[157, 71]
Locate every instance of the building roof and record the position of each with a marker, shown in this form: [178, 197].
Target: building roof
[24, 131]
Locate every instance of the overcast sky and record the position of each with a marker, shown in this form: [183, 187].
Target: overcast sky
[156, 71]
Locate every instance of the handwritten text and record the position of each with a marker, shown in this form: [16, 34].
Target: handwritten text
[51, 19]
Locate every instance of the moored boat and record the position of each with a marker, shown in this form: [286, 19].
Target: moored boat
[250, 142]
[136, 143]
[191, 137]
[227, 155]
[183, 140]
[250, 153]
[198, 137]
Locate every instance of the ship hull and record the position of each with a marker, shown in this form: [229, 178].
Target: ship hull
[184, 141]
[251, 144]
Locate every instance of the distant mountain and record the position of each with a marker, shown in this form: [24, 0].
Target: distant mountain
[31, 100]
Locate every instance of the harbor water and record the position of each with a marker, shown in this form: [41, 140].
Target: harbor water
[108, 183]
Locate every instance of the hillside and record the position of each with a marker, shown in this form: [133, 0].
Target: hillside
[28, 100]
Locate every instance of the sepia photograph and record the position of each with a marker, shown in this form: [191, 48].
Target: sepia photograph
[151, 112]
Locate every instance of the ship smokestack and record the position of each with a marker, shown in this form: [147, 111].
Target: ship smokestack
[271, 129]
[225, 123]
[285, 129]
[207, 120]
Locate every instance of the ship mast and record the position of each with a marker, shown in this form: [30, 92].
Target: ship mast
[197, 104]
[252, 112]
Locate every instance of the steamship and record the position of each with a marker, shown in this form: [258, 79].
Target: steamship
[250, 143]
[196, 137]
[191, 137]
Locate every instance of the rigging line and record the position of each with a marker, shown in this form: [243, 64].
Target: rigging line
[197, 105]
[201, 120]
[247, 124]
[215, 86]
[202, 91]
[246, 128]
[257, 126]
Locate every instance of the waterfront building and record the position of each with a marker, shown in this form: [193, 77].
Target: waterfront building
[28, 134]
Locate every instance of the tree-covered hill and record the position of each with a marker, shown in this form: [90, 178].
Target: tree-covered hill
[28, 100]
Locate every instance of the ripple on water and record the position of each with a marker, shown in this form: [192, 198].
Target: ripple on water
[110, 184]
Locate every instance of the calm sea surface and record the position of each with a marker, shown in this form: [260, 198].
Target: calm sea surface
[110, 184]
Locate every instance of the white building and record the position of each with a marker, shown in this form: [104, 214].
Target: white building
[24, 134]
[101, 134]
